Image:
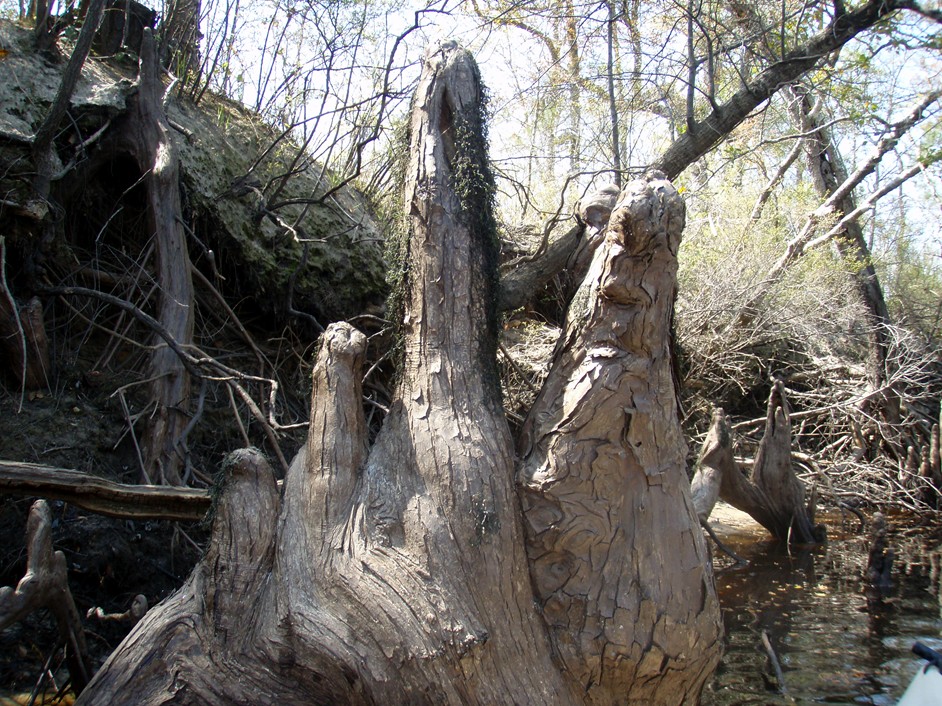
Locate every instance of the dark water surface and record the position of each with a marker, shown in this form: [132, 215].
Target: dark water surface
[836, 644]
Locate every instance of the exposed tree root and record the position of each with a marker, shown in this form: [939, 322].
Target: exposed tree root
[46, 585]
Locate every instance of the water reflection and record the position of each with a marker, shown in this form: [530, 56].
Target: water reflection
[837, 643]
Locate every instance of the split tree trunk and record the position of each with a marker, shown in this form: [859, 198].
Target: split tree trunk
[398, 574]
[772, 494]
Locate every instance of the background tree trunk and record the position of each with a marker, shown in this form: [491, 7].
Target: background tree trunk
[398, 574]
[146, 137]
[828, 173]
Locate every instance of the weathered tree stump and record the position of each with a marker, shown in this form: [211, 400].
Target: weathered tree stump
[398, 573]
[880, 557]
[617, 556]
[23, 340]
[772, 494]
[46, 585]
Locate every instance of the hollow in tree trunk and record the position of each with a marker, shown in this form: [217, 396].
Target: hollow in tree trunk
[398, 573]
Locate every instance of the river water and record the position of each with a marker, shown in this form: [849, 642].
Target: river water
[836, 642]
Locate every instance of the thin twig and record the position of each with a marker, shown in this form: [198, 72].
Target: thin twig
[520, 371]
[16, 318]
[238, 417]
[137, 448]
[721, 546]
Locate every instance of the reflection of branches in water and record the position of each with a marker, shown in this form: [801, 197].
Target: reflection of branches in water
[811, 601]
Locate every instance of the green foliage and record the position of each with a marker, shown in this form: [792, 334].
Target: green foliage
[914, 289]
[398, 236]
[474, 184]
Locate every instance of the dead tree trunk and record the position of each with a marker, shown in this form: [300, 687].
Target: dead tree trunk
[772, 494]
[146, 137]
[398, 574]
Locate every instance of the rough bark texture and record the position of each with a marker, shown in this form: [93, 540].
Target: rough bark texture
[617, 556]
[518, 287]
[123, 25]
[772, 494]
[390, 575]
[398, 574]
[705, 134]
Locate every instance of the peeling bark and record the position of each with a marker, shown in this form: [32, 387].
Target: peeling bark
[705, 134]
[617, 557]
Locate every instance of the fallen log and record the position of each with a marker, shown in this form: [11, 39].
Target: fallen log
[130, 502]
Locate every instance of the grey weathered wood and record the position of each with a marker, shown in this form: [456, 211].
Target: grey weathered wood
[158, 160]
[46, 585]
[402, 573]
[617, 556]
[772, 494]
[395, 574]
[131, 502]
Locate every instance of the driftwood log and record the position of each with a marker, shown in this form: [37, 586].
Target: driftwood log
[399, 573]
[772, 494]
